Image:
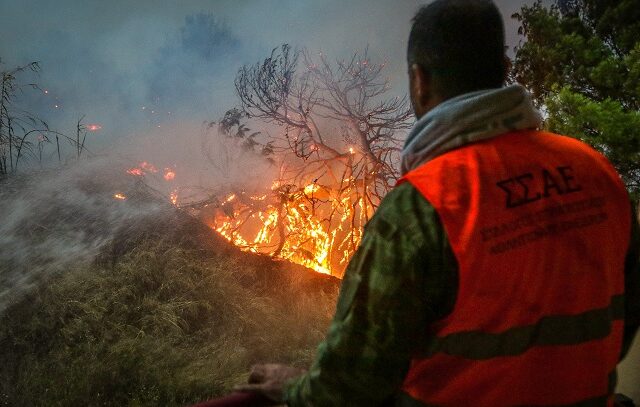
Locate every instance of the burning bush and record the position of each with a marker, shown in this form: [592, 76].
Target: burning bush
[333, 134]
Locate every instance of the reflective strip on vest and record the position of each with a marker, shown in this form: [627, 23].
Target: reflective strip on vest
[539, 225]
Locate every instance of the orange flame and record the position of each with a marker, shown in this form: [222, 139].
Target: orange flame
[120, 196]
[169, 174]
[143, 168]
[173, 197]
[296, 226]
[316, 226]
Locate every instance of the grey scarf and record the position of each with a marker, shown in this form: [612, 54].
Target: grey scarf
[468, 118]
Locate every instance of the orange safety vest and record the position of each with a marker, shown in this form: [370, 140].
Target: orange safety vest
[540, 226]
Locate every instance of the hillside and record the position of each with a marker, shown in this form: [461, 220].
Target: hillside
[163, 312]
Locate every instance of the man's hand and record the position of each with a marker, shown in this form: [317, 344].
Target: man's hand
[269, 380]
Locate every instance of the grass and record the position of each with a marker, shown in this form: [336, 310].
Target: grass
[161, 325]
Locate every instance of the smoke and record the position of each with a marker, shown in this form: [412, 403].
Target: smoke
[150, 72]
[191, 68]
[55, 220]
[131, 66]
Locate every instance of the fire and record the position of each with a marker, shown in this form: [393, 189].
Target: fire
[173, 197]
[148, 167]
[307, 226]
[315, 225]
[311, 188]
[309, 248]
[144, 168]
[169, 174]
[93, 127]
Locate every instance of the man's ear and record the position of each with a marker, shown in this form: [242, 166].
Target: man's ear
[420, 89]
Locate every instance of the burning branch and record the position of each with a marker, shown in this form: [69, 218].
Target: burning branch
[336, 141]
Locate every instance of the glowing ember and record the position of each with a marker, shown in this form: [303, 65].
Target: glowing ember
[169, 174]
[173, 197]
[120, 196]
[143, 168]
[93, 127]
[148, 167]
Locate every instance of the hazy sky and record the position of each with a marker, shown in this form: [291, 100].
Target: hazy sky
[133, 65]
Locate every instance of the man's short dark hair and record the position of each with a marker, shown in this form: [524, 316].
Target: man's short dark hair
[460, 43]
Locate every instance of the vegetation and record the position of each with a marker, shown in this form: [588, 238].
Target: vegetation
[162, 326]
[581, 60]
[22, 133]
[334, 135]
[316, 99]
[178, 315]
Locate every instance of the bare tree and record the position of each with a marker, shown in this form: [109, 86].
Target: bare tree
[335, 135]
[348, 95]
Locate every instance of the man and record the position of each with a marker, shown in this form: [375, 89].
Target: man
[503, 268]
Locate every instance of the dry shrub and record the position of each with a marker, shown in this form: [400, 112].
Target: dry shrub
[162, 325]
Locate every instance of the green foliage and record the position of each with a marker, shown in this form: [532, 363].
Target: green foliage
[605, 125]
[581, 60]
[162, 327]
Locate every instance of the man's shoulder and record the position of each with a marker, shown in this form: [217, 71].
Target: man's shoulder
[404, 210]
[401, 202]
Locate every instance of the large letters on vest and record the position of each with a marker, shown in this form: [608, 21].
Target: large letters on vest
[539, 224]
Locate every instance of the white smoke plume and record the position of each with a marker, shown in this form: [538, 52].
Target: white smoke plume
[55, 220]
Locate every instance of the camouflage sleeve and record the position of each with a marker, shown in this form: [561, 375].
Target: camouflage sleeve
[402, 277]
